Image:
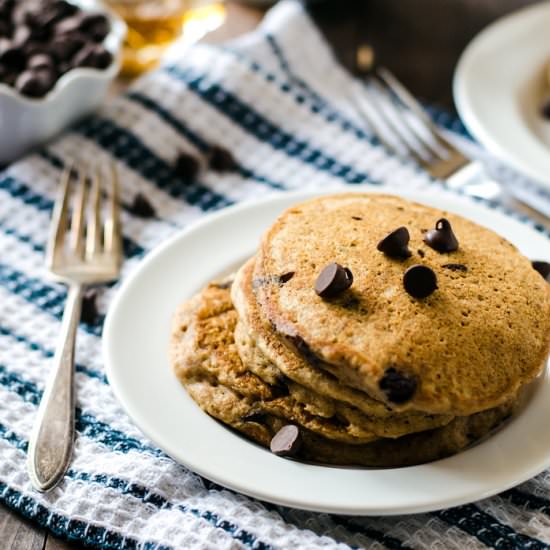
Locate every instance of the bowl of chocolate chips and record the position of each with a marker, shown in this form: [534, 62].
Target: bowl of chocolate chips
[57, 59]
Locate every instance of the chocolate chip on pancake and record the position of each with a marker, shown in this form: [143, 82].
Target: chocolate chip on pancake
[398, 387]
[442, 237]
[333, 280]
[419, 281]
[543, 268]
[395, 245]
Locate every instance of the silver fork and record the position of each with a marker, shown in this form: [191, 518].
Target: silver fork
[90, 255]
[400, 123]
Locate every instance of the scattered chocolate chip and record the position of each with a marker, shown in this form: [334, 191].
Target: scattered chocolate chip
[397, 386]
[142, 207]
[395, 245]
[455, 267]
[543, 268]
[88, 312]
[287, 441]
[333, 280]
[442, 237]
[186, 167]
[421, 253]
[419, 281]
[35, 83]
[356, 218]
[221, 160]
[545, 110]
[285, 277]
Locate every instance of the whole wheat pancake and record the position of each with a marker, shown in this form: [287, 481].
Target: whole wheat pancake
[203, 351]
[271, 360]
[466, 347]
[228, 406]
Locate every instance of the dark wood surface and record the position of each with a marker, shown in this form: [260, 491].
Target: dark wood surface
[420, 40]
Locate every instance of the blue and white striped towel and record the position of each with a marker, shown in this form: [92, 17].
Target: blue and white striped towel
[275, 98]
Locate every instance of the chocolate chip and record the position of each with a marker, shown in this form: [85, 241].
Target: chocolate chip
[69, 24]
[442, 237]
[142, 207]
[545, 110]
[11, 56]
[333, 280]
[421, 253]
[64, 47]
[285, 277]
[186, 167]
[543, 268]
[419, 281]
[397, 386]
[35, 83]
[96, 25]
[88, 312]
[287, 441]
[221, 160]
[455, 267]
[356, 218]
[395, 245]
[5, 28]
[40, 61]
[94, 56]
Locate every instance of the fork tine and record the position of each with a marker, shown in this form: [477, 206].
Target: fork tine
[79, 212]
[439, 141]
[394, 115]
[93, 231]
[58, 224]
[373, 119]
[112, 223]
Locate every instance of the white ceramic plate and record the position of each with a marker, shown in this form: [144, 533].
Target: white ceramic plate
[499, 85]
[136, 340]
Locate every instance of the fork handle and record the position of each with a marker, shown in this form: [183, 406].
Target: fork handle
[51, 441]
[473, 180]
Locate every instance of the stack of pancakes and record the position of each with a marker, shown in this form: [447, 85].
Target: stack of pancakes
[371, 375]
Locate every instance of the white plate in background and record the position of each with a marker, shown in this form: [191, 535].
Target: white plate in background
[499, 86]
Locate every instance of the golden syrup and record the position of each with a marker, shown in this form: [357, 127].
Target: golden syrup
[154, 25]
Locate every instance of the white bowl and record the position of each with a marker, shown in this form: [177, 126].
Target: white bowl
[27, 122]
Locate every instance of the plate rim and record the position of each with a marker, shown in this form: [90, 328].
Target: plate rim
[352, 509]
[463, 101]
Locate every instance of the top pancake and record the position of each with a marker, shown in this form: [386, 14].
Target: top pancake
[469, 346]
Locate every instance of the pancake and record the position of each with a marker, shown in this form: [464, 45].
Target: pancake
[467, 347]
[271, 360]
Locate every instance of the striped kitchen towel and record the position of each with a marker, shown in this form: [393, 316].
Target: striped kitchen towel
[276, 99]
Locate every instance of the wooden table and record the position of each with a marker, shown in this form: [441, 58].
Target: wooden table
[419, 40]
